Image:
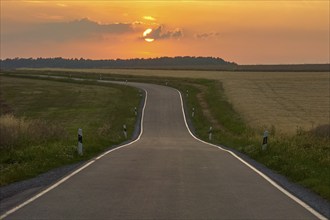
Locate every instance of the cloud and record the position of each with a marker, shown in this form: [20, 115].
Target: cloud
[36, 2]
[72, 30]
[159, 33]
[207, 35]
[62, 5]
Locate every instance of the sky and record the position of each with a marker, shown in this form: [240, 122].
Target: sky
[241, 31]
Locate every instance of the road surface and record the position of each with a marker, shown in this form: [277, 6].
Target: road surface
[165, 174]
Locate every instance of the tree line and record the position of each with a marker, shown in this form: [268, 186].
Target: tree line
[161, 62]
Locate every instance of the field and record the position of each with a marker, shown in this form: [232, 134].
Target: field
[294, 107]
[39, 122]
[288, 101]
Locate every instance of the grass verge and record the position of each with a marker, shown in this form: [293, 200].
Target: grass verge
[40, 118]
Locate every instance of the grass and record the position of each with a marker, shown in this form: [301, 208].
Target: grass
[39, 122]
[302, 155]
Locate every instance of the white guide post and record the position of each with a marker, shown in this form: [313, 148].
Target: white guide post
[210, 133]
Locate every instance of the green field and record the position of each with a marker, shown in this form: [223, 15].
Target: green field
[39, 122]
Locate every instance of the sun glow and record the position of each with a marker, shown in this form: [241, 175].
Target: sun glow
[145, 34]
[149, 18]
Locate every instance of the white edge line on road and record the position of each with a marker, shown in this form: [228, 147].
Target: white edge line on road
[80, 169]
[300, 202]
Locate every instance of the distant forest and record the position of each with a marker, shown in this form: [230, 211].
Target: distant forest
[175, 63]
[162, 62]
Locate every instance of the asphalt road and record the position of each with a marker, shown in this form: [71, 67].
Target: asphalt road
[165, 174]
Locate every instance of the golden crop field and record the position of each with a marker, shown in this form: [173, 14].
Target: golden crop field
[286, 100]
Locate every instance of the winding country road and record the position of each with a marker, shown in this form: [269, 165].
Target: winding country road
[165, 174]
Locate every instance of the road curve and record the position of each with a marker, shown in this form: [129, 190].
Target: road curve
[165, 174]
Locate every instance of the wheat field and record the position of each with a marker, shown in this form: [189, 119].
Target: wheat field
[285, 100]
[288, 101]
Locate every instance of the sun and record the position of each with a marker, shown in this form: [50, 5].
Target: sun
[145, 33]
[149, 39]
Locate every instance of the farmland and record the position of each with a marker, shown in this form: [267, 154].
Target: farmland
[285, 100]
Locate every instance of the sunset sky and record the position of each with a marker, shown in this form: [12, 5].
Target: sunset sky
[245, 32]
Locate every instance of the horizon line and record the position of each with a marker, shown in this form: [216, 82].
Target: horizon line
[154, 58]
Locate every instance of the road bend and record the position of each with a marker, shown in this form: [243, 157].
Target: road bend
[166, 174]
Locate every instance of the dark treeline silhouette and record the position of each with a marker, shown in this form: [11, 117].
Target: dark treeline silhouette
[162, 62]
[176, 63]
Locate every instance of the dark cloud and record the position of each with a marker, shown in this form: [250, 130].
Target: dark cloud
[63, 31]
[160, 33]
[207, 35]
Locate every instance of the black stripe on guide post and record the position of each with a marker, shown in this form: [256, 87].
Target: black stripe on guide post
[80, 145]
[264, 141]
[265, 138]
[79, 138]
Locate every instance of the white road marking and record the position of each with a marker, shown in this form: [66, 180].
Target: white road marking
[78, 170]
[294, 198]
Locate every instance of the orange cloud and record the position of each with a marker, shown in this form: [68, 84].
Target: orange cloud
[207, 35]
[64, 31]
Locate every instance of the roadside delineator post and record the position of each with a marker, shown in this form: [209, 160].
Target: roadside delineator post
[187, 93]
[193, 112]
[135, 111]
[210, 133]
[100, 76]
[265, 140]
[80, 145]
[125, 131]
